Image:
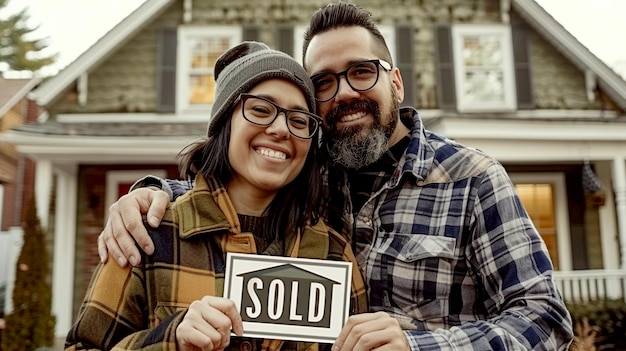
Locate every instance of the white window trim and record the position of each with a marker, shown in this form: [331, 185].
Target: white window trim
[298, 41]
[503, 32]
[1, 203]
[114, 178]
[184, 35]
[563, 238]
[388, 32]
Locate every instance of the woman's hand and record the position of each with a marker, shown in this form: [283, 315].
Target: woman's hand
[207, 325]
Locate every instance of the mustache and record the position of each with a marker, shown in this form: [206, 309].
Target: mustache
[344, 108]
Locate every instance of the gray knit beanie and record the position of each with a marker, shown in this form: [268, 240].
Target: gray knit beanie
[240, 68]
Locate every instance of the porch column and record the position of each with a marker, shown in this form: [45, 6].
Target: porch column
[43, 190]
[619, 187]
[64, 249]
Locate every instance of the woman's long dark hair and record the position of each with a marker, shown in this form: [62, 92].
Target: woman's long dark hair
[295, 204]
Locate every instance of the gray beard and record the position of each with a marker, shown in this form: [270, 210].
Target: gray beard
[357, 147]
[355, 150]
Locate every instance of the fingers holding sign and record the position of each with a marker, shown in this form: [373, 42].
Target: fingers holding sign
[208, 323]
[371, 331]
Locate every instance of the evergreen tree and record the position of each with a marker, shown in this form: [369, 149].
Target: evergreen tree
[18, 50]
[31, 323]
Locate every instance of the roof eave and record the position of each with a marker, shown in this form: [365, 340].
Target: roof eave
[19, 95]
[564, 41]
[50, 89]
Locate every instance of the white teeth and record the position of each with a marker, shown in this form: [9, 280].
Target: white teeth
[352, 117]
[273, 154]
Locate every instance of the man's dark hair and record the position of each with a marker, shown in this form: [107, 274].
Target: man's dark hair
[343, 14]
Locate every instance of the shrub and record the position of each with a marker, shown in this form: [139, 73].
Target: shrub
[606, 317]
[31, 325]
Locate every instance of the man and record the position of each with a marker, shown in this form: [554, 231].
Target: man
[449, 255]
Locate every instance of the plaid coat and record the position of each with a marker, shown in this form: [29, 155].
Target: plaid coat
[139, 308]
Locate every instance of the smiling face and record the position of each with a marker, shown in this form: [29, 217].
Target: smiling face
[266, 158]
[360, 126]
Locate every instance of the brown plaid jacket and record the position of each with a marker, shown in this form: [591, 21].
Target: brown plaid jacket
[139, 308]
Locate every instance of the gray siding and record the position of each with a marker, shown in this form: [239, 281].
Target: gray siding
[126, 82]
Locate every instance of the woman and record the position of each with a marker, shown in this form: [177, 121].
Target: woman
[249, 174]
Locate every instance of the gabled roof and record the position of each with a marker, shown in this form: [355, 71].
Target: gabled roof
[610, 82]
[530, 10]
[100, 51]
[12, 91]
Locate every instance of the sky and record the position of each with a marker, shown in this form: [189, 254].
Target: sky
[72, 26]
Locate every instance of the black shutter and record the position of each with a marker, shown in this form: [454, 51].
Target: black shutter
[405, 34]
[284, 39]
[251, 32]
[521, 59]
[166, 69]
[446, 92]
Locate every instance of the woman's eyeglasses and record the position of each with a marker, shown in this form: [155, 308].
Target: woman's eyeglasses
[263, 112]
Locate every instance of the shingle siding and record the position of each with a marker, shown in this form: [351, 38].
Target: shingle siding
[126, 81]
[558, 84]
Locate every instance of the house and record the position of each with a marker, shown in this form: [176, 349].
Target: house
[499, 75]
[15, 169]
[16, 179]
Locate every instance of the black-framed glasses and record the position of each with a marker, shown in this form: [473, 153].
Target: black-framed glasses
[263, 112]
[361, 76]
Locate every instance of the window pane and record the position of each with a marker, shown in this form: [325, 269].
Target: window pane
[487, 86]
[201, 89]
[482, 51]
[538, 199]
[205, 52]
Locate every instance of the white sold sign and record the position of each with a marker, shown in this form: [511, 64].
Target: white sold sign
[289, 298]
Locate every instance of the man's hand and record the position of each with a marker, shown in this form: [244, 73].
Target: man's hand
[125, 226]
[370, 331]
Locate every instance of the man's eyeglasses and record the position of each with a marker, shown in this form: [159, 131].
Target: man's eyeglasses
[263, 112]
[361, 76]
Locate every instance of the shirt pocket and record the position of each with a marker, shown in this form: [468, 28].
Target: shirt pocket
[416, 274]
[164, 310]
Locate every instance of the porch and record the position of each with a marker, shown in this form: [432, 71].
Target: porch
[593, 284]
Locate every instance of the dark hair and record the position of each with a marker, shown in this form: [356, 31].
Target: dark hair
[295, 204]
[343, 14]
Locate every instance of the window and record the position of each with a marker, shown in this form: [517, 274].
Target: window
[483, 65]
[388, 33]
[545, 199]
[198, 49]
[539, 202]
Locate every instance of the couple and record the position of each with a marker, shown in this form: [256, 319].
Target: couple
[449, 256]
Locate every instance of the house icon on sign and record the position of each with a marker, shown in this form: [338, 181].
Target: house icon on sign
[287, 294]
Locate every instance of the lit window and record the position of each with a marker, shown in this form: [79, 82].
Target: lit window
[198, 49]
[538, 199]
